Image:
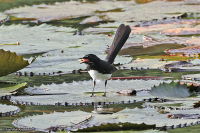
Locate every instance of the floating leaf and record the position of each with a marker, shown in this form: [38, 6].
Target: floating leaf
[49, 63]
[91, 19]
[8, 88]
[85, 9]
[187, 50]
[2, 16]
[191, 77]
[168, 27]
[44, 13]
[156, 51]
[7, 110]
[150, 116]
[149, 11]
[36, 39]
[78, 92]
[184, 116]
[79, 119]
[171, 90]
[45, 121]
[181, 31]
[86, 86]
[177, 64]
[10, 62]
[58, 56]
[146, 63]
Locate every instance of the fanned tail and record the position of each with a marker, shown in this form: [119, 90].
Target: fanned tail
[121, 36]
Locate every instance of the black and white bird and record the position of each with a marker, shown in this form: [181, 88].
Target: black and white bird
[103, 69]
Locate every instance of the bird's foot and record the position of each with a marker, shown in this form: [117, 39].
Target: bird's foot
[92, 95]
[104, 95]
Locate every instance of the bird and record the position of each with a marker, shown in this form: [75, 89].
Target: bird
[100, 69]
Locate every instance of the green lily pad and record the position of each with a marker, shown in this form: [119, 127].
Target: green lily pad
[171, 90]
[8, 88]
[139, 51]
[10, 62]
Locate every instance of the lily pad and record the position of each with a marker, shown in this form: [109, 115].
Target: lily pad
[42, 122]
[7, 88]
[156, 51]
[128, 7]
[10, 62]
[150, 116]
[7, 110]
[171, 90]
[191, 77]
[35, 39]
[84, 86]
[78, 99]
[59, 54]
[3, 18]
[65, 62]
[84, 10]
[75, 92]
[146, 63]
[168, 27]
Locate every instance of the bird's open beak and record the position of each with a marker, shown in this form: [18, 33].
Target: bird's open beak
[83, 60]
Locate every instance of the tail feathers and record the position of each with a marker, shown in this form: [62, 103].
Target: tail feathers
[121, 36]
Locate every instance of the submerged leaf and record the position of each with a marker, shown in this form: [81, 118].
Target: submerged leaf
[171, 90]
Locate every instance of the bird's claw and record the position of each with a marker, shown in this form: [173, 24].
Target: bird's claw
[92, 95]
[104, 95]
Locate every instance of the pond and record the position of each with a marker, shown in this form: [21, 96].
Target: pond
[44, 88]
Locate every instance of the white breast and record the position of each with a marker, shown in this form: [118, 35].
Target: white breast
[99, 76]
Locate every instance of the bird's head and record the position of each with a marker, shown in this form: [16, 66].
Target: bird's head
[89, 58]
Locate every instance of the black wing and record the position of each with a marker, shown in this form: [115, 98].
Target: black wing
[121, 36]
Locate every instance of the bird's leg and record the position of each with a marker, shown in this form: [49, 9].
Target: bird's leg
[105, 89]
[94, 83]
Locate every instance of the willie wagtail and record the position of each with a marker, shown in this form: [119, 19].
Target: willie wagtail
[103, 69]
